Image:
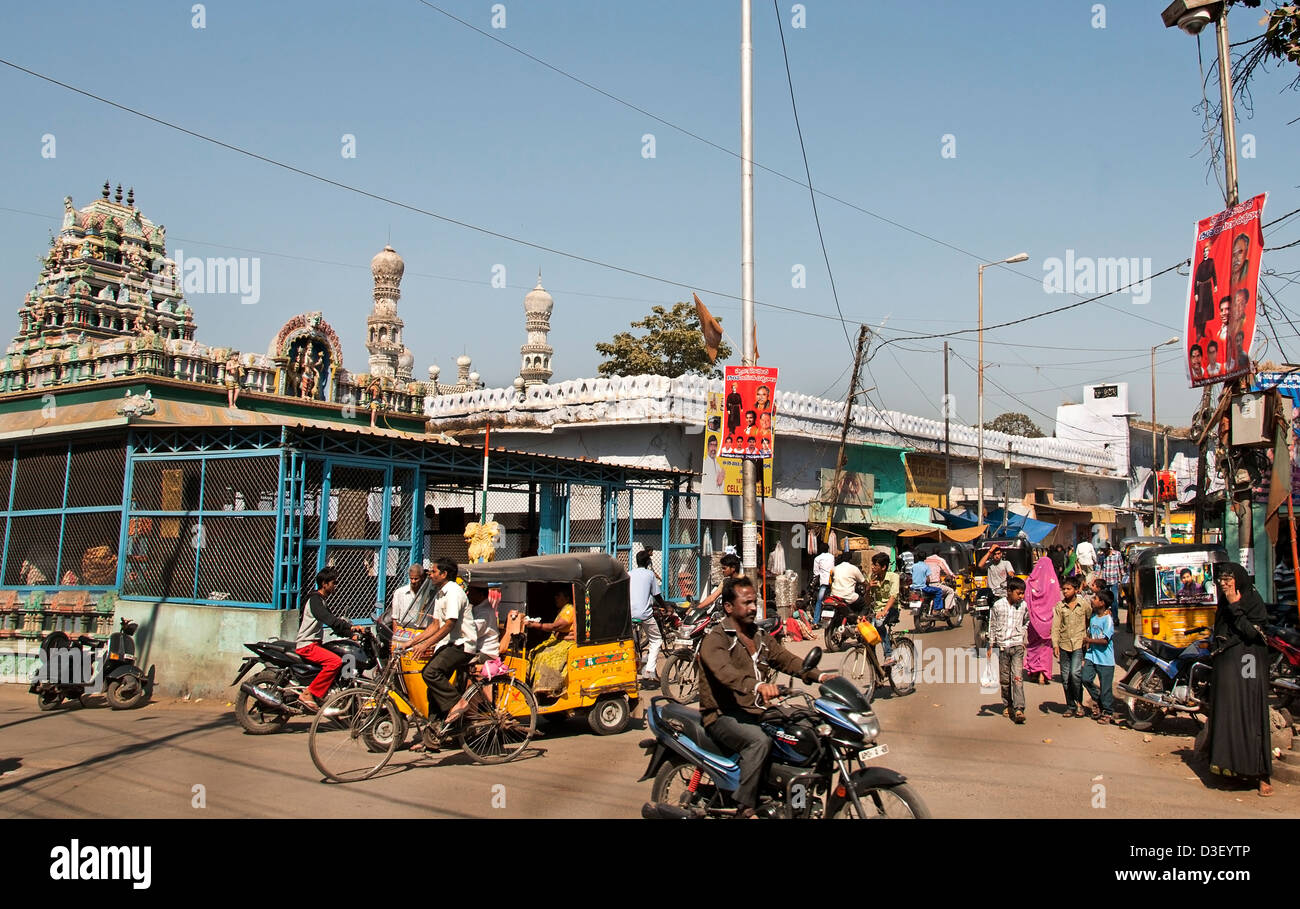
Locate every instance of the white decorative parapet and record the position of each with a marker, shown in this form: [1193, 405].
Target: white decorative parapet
[658, 399]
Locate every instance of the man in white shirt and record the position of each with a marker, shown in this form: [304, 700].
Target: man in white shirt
[643, 586]
[451, 635]
[822, 567]
[1086, 558]
[486, 620]
[411, 599]
[845, 577]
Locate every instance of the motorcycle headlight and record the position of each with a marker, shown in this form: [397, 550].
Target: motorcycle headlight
[868, 723]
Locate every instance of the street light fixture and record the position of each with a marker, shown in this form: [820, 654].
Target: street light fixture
[1018, 257]
[1155, 485]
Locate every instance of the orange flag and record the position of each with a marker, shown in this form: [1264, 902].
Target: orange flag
[710, 327]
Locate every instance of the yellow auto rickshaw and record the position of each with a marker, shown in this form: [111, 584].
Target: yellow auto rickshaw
[1174, 590]
[597, 676]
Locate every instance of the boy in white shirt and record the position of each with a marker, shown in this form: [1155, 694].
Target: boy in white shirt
[1008, 620]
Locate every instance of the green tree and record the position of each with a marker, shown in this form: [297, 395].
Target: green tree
[673, 345]
[1016, 424]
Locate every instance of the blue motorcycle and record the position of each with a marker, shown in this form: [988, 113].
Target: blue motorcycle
[817, 766]
[1165, 678]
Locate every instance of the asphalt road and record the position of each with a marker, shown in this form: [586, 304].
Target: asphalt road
[183, 759]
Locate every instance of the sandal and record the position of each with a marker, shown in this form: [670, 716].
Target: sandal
[308, 707]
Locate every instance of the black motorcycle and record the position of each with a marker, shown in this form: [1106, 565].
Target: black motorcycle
[817, 766]
[270, 697]
[68, 670]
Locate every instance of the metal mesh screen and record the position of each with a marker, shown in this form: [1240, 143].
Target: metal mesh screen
[90, 549]
[402, 503]
[164, 558]
[38, 482]
[356, 502]
[6, 471]
[166, 484]
[445, 534]
[237, 558]
[34, 540]
[240, 484]
[357, 590]
[95, 475]
[586, 518]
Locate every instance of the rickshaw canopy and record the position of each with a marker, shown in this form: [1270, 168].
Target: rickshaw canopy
[604, 613]
[1020, 553]
[568, 567]
[959, 556]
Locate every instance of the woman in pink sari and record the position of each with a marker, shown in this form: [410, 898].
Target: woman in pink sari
[1042, 593]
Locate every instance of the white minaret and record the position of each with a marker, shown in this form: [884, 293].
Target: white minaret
[536, 353]
[383, 327]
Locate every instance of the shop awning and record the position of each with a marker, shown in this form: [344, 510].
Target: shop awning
[960, 535]
[1097, 514]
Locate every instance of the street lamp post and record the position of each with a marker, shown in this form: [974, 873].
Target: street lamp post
[1155, 485]
[1018, 257]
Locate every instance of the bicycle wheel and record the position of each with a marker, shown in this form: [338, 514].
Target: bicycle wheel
[499, 722]
[857, 668]
[346, 729]
[902, 674]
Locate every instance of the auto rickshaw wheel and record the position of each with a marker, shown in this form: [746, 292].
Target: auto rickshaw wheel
[610, 716]
[49, 700]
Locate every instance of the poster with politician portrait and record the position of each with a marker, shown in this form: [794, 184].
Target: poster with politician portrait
[739, 427]
[1221, 305]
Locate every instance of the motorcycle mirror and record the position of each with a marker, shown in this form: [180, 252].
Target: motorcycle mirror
[812, 659]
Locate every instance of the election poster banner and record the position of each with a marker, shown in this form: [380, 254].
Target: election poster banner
[739, 427]
[1221, 298]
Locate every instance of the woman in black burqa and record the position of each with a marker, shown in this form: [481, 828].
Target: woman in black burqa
[1239, 741]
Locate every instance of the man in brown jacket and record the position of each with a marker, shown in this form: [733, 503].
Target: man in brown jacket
[730, 655]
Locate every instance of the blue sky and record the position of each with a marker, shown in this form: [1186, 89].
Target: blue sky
[1067, 137]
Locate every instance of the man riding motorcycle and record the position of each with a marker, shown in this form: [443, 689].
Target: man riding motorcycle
[729, 685]
[316, 615]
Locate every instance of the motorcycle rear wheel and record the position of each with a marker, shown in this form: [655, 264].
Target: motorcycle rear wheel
[958, 614]
[1141, 715]
[671, 787]
[252, 716]
[900, 801]
[681, 678]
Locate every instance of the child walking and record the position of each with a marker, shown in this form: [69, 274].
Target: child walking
[1069, 628]
[1008, 620]
[1099, 658]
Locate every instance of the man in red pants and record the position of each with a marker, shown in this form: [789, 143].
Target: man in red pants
[316, 615]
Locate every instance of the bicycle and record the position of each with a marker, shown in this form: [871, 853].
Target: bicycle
[357, 730]
[861, 666]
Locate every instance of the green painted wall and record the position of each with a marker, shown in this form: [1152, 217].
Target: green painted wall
[886, 465]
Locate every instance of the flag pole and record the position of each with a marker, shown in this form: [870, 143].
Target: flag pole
[749, 512]
[487, 434]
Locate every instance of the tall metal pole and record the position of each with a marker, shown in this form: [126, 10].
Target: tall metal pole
[1225, 100]
[947, 415]
[979, 515]
[1155, 479]
[749, 530]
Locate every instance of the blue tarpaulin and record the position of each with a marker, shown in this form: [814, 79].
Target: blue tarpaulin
[1036, 531]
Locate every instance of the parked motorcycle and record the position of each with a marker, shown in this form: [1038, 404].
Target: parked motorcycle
[270, 697]
[1284, 663]
[68, 670]
[1165, 678]
[816, 746]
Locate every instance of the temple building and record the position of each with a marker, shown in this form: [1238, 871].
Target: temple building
[196, 488]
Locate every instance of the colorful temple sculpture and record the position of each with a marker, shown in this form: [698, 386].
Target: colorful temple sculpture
[109, 303]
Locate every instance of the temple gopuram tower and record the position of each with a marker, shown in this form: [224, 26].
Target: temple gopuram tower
[389, 357]
[536, 353]
[106, 276]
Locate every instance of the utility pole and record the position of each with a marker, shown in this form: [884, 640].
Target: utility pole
[947, 416]
[840, 460]
[749, 475]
